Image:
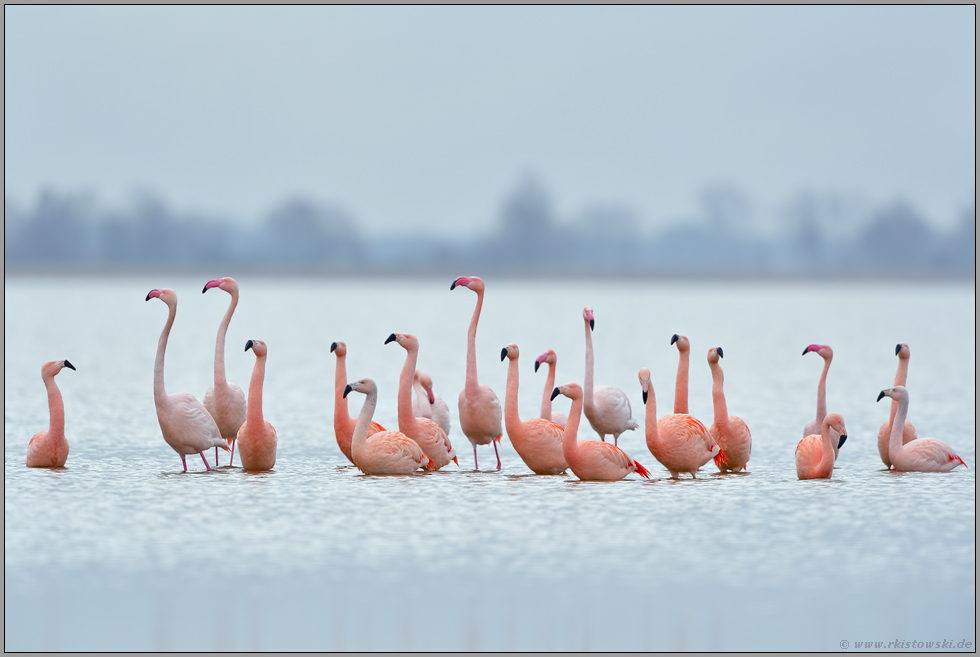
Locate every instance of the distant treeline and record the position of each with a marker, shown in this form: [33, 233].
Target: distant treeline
[814, 235]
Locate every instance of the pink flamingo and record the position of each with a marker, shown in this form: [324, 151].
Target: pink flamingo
[730, 432]
[814, 426]
[257, 437]
[921, 454]
[479, 409]
[815, 454]
[683, 369]
[551, 359]
[679, 441]
[49, 449]
[592, 460]
[343, 423]
[538, 441]
[429, 435]
[384, 452]
[606, 407]
[186, 425]
[884, 433]
[428, 404]
[224, 401]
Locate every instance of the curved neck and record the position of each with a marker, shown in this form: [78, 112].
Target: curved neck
[901, 374]
[56, 408]
[471, 379]
[718, 394]
[219, 343]
[406, 416]
[589, 365]
[822, 392]
[827, 448]
[650, 421]
[159, 391]
[569, 441]
[425, 408]
[340, 412]
[549, 386]
[512, 418]
[254, 413]
[898, 425]
[681, 386]
[364, 420]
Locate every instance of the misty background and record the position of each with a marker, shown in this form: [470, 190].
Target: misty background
[591, 140]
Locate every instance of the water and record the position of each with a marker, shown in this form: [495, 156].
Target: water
[120, 551]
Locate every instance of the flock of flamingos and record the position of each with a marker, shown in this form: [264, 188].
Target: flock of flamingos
[548, 444]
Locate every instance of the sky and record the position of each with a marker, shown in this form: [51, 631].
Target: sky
[425, 119]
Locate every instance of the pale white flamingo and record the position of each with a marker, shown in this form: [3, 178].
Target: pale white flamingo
[343, 423]
[480, 415]
[815, 453]
[538, 441]
[606, 407]
[428, 404]
[186, 425]
[908, 433]
[921, 454]
[224, 401]
[551, 359]
[592, 460]
[256, 437]
[729, 431]
[679, 441]
[429, 435]
[814, 426]
[384, 452]
[683, 372]
[49, 449]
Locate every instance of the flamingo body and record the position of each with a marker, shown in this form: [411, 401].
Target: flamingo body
[729, 431]
[384, 452]
[257, 438]
[921, 454]
[813, 427]
[815, 453]
[225, 401]
[538, 441]
[607, 408]
[884, 432]
[49, 448]
[343, 423]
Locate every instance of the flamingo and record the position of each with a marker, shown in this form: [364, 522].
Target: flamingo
[683, 369]
[428, 404]
[185, 423]
[538, 441]
[49, 449]
[384, 452]
[884, 433]
[258, 437]
[606, 407]
[592, 460]
[730, 432]
[921, 454]
[679, 441]
[479, 408]
[815, 454]
[429, 435]
[814, 426]
[224, 401]
[551, 359]
[343, 423]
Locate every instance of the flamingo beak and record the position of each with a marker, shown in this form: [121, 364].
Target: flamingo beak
[333, 346]
[555, 393]
[880, 395]
[503, 354]
[591, 324]
[898, 348]
[432, 396]
[721, 354]
[248, 345]
[843, 437]
[391, 338]
[214, 282]
[537, 364]
[153, 294]
[674, 338]
[645, 395]
[69, 365]
[347, 391]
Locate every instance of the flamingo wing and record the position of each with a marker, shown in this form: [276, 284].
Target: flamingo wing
[612, 408]
[927, 454]
[190, 425]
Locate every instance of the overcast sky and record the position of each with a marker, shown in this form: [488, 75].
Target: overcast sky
[426, 118]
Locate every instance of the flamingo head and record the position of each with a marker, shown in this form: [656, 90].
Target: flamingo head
[258, 348]
[364, 386]
[408, 341]
[475, 283]
[52, 367]
[644, 377]
[165, 295]
[714, 354]
[823, 350]
[571, 390]
[547, 357]
[902, 351]
[426, 382]
[683, 344]
[510, 351]
[898, 393]
[836, 422]
[589, 317]
[339, 349]
[227, 284]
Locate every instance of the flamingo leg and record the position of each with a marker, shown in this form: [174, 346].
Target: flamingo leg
[616, 439]
[184, 461]
[206, 464]
[232, 461]
[497, 453]
[215, 457]
[476, 464]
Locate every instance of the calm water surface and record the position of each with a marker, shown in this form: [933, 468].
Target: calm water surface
[120, 550]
